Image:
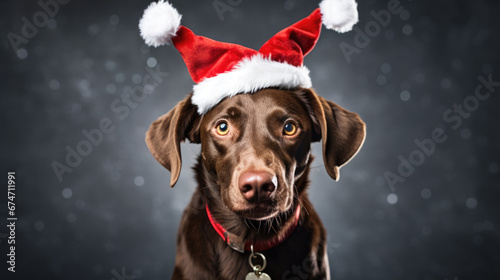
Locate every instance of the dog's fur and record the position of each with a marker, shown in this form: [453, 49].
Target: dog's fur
[255, 142]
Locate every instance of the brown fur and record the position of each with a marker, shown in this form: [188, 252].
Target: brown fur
[255, 142]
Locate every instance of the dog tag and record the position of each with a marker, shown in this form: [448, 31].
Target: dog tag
[257, 273]
[256, 276]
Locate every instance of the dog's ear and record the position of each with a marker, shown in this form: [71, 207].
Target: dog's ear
[342, 132]
[165, 135]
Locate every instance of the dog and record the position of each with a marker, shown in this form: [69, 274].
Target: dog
[252, 177]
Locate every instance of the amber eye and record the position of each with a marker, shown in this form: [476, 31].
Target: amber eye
[222, 128]
[289, 129]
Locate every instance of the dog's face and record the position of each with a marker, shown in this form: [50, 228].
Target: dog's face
[255, 147]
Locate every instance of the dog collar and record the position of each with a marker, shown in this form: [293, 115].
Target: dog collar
[238, 244]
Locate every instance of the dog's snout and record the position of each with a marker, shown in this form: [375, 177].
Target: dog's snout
[257, 186]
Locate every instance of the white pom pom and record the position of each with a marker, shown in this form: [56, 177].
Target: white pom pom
[159, 23]
[339, 15]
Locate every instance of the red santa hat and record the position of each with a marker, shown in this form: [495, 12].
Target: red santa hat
[222, 70]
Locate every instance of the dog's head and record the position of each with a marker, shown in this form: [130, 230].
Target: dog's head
[256, 147]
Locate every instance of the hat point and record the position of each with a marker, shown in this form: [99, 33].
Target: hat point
[339, 15]
[159, 23]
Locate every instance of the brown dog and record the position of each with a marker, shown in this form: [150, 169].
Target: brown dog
[252, 178]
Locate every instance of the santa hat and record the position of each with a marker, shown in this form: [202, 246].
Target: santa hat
[222, 70]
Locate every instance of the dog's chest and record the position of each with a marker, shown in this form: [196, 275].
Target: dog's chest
[280, 260]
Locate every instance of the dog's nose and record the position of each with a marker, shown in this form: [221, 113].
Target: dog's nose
[257, 186]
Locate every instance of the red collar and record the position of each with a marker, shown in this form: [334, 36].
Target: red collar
[259, 245]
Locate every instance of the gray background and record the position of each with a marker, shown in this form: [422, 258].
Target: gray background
[114, 215]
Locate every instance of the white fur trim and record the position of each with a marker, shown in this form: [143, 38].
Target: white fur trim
[339, 15]
[248, 76]
[159, 23]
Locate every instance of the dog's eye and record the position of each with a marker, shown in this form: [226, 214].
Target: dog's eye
[289, 129]
[222, 128]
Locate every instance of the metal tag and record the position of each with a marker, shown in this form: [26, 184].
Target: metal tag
[254, 276]
[257, 273]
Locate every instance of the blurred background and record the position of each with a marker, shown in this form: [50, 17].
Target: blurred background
[415, 71]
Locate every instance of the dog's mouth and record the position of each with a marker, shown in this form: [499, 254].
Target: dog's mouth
[259, 212]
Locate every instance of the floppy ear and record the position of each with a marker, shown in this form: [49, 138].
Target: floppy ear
[342, 132]
[165, 135]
